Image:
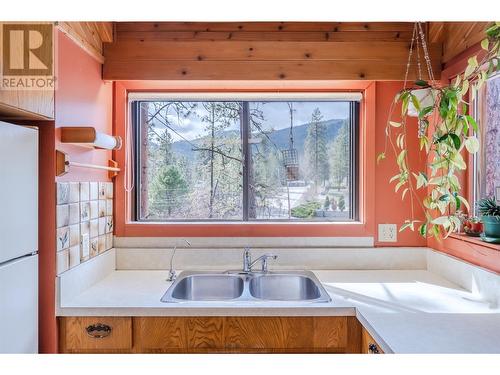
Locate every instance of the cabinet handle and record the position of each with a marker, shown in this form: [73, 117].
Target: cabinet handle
[373, 348]
[98, 330]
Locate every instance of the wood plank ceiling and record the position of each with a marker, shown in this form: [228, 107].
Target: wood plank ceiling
[261, 51]
[456, 36]
[90, 36]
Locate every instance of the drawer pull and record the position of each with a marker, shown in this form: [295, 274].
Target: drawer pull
[373, 348]
[98, 330]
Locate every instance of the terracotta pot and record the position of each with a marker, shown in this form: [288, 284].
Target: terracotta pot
[476, 227]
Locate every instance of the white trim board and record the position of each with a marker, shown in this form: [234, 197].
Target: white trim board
[253, 242]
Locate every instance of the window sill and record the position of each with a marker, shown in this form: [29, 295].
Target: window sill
[475, 241]
[243, 223]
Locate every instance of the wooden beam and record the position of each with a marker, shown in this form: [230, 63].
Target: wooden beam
[264, 26]
[257, 70]
[260, 50]
[340, 36]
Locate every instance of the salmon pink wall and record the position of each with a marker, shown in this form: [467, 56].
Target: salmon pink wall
[82, 99]
[389, 208]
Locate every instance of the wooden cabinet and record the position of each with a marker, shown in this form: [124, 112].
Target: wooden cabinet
[36, 101]
[26, 105]
[368, 344]
[340, 334]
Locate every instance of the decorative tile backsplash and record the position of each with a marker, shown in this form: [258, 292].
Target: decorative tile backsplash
[84, 219]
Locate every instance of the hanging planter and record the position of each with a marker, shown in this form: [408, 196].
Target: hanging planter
[445, 138]
[426, 97]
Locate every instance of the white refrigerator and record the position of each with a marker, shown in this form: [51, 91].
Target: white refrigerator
[18, 239]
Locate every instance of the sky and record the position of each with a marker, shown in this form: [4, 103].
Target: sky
[276, 116]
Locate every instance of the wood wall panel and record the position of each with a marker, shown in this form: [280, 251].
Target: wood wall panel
[260, 51]
[456, 37]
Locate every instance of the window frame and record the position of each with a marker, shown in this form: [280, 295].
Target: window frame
[479, 95]
[354, 166]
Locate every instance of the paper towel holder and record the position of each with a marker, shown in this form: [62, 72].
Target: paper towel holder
[89, 137]
[63, 164]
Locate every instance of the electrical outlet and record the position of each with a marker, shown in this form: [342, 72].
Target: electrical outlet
[387, 232]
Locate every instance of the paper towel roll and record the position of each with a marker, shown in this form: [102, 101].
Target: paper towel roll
[108, 142]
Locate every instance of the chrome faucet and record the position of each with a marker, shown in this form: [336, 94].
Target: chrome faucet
[172, 275]
[248, 263]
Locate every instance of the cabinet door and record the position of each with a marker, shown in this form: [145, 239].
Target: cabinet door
[369, 345]
[26, 105]
[160, 334]
[95, 334]
[31, 104]
[269, 333]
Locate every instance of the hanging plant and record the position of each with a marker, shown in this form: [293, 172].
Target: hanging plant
[446, 133]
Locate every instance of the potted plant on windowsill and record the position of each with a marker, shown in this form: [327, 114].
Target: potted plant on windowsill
[490, 216]
[473, 226]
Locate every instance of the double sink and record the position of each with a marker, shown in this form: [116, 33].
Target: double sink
[289, 286]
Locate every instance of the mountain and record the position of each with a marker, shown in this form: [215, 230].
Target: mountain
[279, 137]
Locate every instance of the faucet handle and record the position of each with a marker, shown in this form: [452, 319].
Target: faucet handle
[265, 257]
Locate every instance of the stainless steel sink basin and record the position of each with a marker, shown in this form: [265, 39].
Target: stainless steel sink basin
[284, 287]
[206, 287]
[291, 286]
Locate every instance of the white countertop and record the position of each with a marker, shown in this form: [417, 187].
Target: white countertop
[407, 311]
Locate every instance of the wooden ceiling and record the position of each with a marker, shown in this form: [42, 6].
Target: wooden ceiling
[89, 35]
[456, 36]
[267, 50]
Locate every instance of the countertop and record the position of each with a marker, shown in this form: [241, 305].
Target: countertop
[406, 311]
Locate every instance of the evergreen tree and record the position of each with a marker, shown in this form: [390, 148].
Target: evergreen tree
[168, 191]
[316, 149]
[266, 179]
[341, 203]
[326, 205]
[339, 157]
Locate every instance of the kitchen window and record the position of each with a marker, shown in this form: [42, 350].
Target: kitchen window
[245, 157]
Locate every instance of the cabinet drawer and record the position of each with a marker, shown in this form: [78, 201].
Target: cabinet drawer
[95, 334]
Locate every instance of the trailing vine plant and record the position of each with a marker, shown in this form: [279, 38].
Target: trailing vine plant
[446, 132]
